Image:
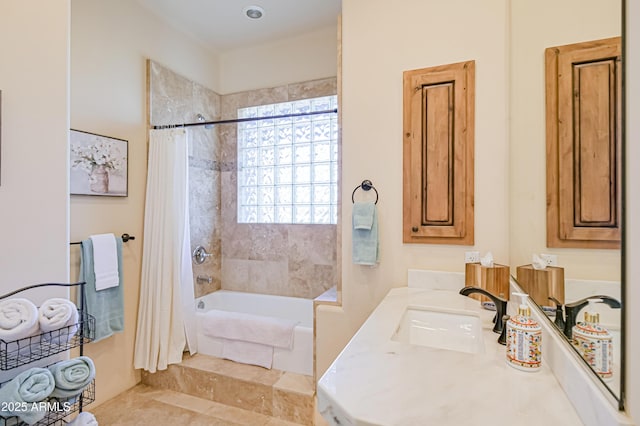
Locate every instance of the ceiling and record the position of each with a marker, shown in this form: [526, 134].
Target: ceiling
[222, 25]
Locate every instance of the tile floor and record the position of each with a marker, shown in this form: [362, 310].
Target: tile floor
[204, 390]
[146, 405]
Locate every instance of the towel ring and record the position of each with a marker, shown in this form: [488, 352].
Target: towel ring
[366, 185]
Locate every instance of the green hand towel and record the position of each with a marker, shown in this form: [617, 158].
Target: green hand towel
[365, 245]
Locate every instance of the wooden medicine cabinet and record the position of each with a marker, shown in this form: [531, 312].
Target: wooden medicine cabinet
[438, 150]
[583, 104]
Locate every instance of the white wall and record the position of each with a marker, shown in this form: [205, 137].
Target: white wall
[34, 200]
[572, 21]
[307, 57]
[381, 39]
[110, 42]
[632, 232]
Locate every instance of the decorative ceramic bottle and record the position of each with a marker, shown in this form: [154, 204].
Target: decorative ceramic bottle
[524, 339]
[594, 342]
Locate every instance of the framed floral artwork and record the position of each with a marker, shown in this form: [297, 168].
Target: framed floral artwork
[0, 131]
[99, 164]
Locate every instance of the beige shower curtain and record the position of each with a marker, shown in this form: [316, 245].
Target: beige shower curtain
[166, 315]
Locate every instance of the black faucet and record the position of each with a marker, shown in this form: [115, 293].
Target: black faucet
[571, 311]
[503, 336]
[501, 305]
[559, 321]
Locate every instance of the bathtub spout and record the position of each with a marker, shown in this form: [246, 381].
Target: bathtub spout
[201, 279]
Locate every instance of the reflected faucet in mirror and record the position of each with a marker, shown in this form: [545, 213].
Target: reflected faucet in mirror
[566, 321]
[501, 305]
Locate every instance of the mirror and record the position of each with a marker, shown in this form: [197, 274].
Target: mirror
[534, 27]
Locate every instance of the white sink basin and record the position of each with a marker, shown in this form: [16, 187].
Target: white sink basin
[454, 331]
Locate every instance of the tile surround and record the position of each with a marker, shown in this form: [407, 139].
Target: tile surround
[175, 99]
[282, 395]
[293, 398]
[286, 260]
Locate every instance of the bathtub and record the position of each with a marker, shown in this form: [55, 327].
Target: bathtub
[297, 360]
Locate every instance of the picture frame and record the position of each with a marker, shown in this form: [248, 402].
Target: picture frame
[99, 164]
[0, 137]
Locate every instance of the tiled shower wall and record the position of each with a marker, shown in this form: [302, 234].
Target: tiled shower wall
[174, 99]
[286, 260]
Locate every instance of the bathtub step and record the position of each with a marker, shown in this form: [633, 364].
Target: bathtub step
[275, 393]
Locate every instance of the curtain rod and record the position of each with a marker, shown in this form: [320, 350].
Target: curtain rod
[242, 120]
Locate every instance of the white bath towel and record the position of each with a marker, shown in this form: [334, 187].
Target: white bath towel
[247, 352]
[249, 328]
[58, 320]
[18, 319]
[105, 261]
[84, 419]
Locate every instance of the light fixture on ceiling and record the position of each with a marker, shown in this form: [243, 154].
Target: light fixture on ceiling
[253, 12]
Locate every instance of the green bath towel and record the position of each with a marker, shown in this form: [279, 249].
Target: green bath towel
[106, 306]
[72, 376]
[21, 395]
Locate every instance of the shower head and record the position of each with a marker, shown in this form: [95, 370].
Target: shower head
[201, 119]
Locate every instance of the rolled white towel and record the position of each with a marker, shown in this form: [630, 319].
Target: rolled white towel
[18, 320]
[84, 419]
[58, 320]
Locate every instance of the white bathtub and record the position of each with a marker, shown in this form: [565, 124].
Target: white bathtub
[297, 360]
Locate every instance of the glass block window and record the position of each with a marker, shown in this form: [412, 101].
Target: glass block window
[288, 167]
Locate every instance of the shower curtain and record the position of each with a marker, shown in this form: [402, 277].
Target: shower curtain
[166, 315]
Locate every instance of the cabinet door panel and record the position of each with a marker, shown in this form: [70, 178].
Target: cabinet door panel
[583, 144]
[438, 154]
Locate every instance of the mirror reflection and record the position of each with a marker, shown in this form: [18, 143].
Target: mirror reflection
[580, 273]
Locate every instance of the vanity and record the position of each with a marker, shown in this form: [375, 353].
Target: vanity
[453, 373]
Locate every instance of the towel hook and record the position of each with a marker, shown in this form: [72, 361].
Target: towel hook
[366, 185]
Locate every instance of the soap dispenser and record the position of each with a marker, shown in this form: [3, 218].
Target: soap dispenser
[524, 339]
[594, 342]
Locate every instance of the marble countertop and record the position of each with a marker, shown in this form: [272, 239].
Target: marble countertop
[380, 381]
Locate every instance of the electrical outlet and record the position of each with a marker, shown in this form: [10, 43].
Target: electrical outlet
[471, 257]
[550, 259]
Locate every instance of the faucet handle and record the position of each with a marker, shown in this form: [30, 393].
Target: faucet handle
[559, 321]
[200, 255]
